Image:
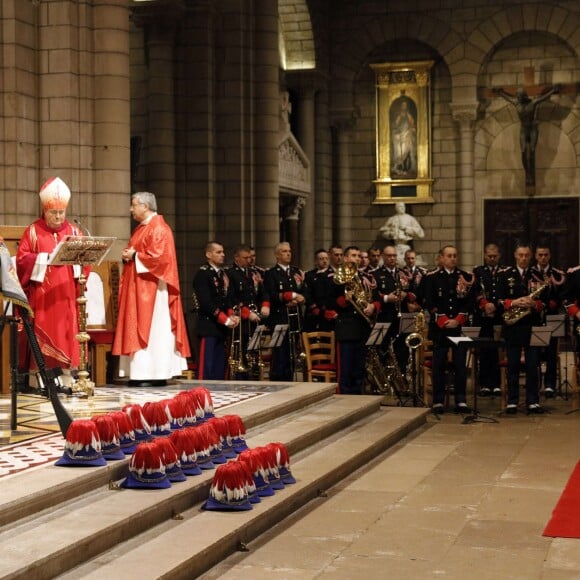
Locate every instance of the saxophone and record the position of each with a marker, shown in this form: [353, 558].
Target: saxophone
[516, 313]
[386, 379]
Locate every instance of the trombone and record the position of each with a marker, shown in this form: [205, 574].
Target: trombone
[297, 353]
[237, 360]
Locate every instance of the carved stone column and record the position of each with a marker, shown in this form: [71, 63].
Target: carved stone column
[305, 85]
[465, 114]
[342, 197]
[291, 216]
[306, 133]
[160, 23]
[112, 120]
[265, 137]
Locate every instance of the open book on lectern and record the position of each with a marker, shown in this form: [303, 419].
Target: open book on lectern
[81, 250]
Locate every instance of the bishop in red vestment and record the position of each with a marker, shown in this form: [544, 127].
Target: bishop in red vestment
[51, 290]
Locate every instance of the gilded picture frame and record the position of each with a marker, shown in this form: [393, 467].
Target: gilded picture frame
[403, 132]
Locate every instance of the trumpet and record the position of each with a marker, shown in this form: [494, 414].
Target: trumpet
[237, 359]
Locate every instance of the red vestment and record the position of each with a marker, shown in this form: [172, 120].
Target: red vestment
[155, 248]
[53, 301]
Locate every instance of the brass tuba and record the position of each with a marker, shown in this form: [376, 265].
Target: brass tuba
[347, 274]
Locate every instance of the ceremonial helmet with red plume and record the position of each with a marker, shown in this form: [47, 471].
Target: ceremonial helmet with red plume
[254, 460]
[171, 460]
[82, 446]
[215, 445]
[147, 468]
[156, 417]
[270, 463]
[237, 432]
[222, 428]
[283, 461]
[126, 432]
[140, 425]
[184, 442]
[228, 490]
[110, 438]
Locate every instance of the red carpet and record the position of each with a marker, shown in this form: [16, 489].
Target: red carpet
[565, 522]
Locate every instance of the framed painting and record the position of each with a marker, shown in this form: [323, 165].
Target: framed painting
[403, 132]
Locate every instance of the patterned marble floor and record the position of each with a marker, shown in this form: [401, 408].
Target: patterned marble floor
[37, 439]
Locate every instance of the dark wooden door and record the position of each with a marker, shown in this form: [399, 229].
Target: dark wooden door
[550, 221]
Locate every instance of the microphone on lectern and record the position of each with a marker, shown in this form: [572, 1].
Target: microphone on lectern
[82, 228]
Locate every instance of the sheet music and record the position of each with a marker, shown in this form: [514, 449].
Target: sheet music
[556, 323]
[456, 340]
[540, 336]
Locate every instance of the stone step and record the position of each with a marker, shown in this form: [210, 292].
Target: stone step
[64, 536]
[28, 494]
[200, 539]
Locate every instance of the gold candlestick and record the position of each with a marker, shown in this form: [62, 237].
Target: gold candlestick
[83, 385]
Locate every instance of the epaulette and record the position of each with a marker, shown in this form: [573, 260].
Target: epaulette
[505, 269]
[205, 267]
[574, 269]
[431, 272]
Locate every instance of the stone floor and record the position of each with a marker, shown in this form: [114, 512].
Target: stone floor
[456, 500]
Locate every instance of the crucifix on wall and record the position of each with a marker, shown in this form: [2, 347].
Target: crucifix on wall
[526, 100]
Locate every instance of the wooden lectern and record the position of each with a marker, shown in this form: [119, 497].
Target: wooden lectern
[82, 251]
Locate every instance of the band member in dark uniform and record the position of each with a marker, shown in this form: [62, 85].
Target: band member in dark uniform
[248, 296]
[571, 295]
[315, 289]
[335, 256]
[374, 254]
[545, 272]
[487, 315]
[284, 285]
[519, 292]
[215, 315]
[352, 326]
[414, 275]
[391, 297]
[449, 297]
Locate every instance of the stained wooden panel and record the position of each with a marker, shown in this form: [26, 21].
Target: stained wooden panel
[550, 221]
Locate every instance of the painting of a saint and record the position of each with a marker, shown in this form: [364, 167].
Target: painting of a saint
[403, 129]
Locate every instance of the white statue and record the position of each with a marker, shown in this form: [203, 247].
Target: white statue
[402, 228]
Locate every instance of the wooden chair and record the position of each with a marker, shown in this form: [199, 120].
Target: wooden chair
[320, 350]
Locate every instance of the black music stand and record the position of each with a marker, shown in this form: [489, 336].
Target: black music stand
[476, 343]
[378, 333]
[557, 324]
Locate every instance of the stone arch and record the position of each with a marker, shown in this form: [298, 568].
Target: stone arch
[500, 128]
[297, 50]
[483, 40]
[351, 54]
[531, 17]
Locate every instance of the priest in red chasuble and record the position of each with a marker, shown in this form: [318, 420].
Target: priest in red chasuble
[151, 335]
[52, 290]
